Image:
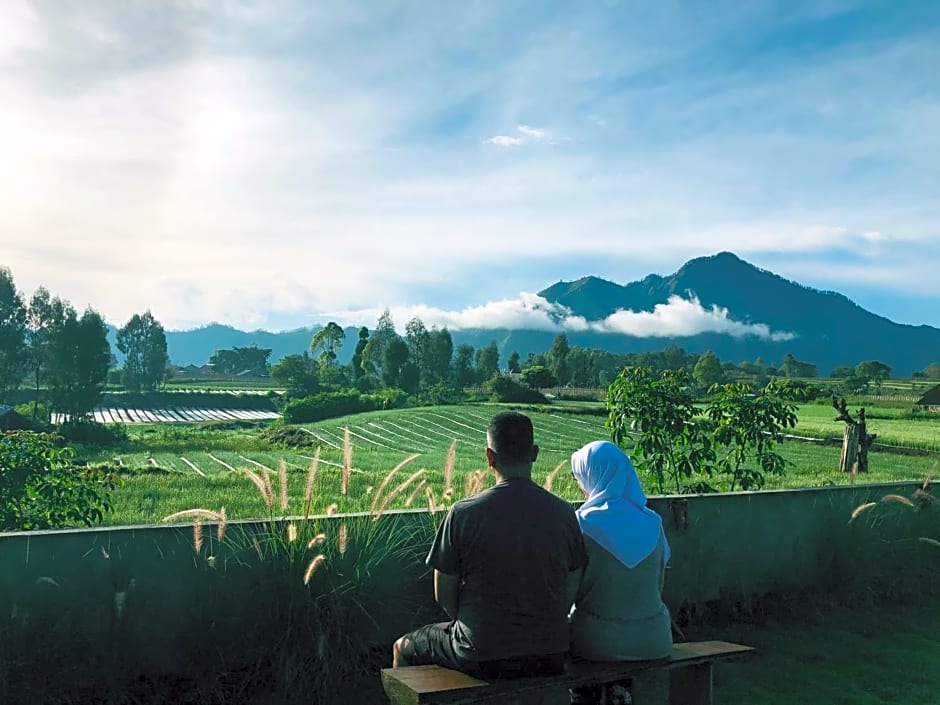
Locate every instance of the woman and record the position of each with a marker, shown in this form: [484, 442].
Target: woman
[619, 614]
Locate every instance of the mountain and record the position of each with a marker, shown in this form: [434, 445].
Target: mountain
[824, 327]
[828, 328]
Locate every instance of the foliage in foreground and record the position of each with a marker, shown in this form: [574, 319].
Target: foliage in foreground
[674, 444]
[39, 489]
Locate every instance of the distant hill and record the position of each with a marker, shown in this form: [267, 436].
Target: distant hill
[828, 329]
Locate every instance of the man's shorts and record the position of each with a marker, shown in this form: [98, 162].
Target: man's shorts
[433, 645]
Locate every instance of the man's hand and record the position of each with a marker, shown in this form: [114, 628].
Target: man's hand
[447, 592]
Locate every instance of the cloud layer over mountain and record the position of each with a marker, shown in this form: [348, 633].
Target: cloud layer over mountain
[678, 317]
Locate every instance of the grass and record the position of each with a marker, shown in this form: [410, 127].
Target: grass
[159, 482]
[878, 655]
[922, 432]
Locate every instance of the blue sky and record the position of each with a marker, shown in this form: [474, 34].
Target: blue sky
[274, 164]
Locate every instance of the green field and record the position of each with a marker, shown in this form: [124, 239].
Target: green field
[159, 480]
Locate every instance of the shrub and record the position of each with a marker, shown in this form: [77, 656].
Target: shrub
[40, 490]
[92, 433]
[502, 388]
[328, 405]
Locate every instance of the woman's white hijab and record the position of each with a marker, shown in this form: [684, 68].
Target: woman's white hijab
[615, 514]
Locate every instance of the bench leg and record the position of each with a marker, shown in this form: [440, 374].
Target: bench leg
[691, 685]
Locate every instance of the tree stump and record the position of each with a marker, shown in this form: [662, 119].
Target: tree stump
[855, 441]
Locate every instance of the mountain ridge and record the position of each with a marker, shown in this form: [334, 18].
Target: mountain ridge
[829, 328]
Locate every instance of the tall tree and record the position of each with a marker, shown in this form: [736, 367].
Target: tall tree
[358, 371]
[143, 342]
[708, 370]
[13, 350]
[79, 356]
[440, 352]
[326, 342]
[463, 366]
[558, 358]
[873, 371]
[418, 339]
[513, 364]
[487, 361]
[373, 356]
[45, 318]
[396, 357]
[298, 373]
[235, 360]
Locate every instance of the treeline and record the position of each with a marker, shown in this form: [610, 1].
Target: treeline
[65, 358]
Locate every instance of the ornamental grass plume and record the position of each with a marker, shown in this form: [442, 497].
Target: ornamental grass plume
[415, 491]
[377, 500]
[220, 527]
[377, 512]
[342, 539]
[449, 467]
[311, 479]
[197, 535]
[282, 483]
[432, 501]
[196, 514]
[347, 461]
[550, 479]
[263, 485]
[312, 568]
[317, 540]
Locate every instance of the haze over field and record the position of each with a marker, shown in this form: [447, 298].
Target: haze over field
[276, 165]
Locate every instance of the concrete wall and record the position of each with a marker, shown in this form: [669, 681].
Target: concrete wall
[140, 599]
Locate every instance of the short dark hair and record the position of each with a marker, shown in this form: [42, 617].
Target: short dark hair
[511, 438]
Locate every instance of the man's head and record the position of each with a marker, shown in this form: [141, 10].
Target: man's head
[510, 445]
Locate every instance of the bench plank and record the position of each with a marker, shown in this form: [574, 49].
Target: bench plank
[427, 685]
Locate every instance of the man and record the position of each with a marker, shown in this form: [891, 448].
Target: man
[505, 562]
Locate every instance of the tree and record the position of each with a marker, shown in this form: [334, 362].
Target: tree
[558, 358]
[463, 366]
[326, 342]
[440, 352]
[79, 356]
[873, 371]
[708, 371]
[538, 377]
[418, 339]
[44, 319]
[791, 367]
[748, 425]
[513, 364]
[236, 360]
[656, 412]
[13, 350]
[487, 361]
[396, 355]
[358, 371]
[841, 372]
[932, 371]
[373, 355]
[297, 373]
[39, 489]
[143, 342]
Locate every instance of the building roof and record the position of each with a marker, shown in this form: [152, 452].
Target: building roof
[931, 398]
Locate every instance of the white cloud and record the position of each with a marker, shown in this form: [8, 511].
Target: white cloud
[528, 134]
[676, 318]
[505, 141]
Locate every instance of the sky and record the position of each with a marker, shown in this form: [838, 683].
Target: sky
[279, 164]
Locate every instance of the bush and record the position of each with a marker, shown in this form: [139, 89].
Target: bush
[328, 405]
[92, 433]
[40, 490]
[502, 388]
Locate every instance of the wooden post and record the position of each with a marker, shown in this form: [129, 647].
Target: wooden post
[691, 685]
[849, 448]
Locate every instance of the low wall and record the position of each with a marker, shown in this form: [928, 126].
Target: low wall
[142, 599]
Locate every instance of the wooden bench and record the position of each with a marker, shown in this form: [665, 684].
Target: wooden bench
[690, 678]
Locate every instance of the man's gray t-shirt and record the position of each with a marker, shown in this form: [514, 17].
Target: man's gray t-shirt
[513, 547]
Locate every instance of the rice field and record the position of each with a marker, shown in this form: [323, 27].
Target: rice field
[207, 470]
[174, 414]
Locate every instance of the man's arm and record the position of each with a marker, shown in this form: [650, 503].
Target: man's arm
[447, 592]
